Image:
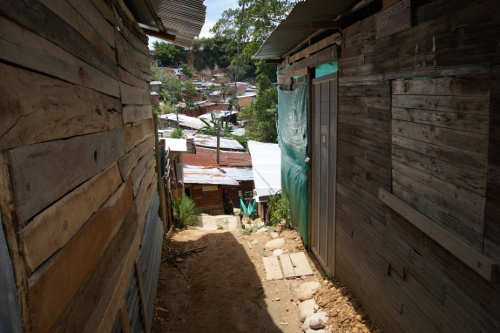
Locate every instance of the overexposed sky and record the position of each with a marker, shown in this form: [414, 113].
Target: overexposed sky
[214, 12]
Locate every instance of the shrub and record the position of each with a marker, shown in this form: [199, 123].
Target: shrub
[177, 134]
[185, 211]
[279, 209]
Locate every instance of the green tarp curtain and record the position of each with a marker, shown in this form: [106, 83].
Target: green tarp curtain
[292, 138]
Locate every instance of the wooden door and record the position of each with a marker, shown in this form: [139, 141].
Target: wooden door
[323, 174]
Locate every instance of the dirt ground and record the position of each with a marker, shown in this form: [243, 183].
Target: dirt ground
[214, 281]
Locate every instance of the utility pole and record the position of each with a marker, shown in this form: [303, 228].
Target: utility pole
[218, 139]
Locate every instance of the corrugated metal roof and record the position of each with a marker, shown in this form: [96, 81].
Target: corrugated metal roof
[199, 160]
[206, 175]
[184, 120]
[297, 26]
[241, 174]
[178, 21]
[211, 142]
[266, 168]
[227, 158]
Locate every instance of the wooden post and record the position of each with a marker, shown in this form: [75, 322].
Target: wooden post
[140, 285]
[218, 140]
[161, 186]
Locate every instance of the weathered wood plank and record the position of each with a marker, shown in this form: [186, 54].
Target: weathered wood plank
[37, 18]
[38, 108]
[148, 185]
[326, 55]
[124, 319]
[52, 289]
[137, 132]
[474, 162]
[474, 259]
[466, 142]
[469, 199]
[465, 104]
[446, 86]
[129, 161]
[134, 95]
[272, 267]
[286, 264]
[452, 120]
[109, 276]
[132, 80]
[300, 264]
[136, 113]
[461, 177]
[141, 169]
[311, 49]
[44, 172]
[26, 49]
[85, 19]
[53, 228]
[11, 226]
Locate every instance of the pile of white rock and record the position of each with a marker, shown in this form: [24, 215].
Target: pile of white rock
[314, 322]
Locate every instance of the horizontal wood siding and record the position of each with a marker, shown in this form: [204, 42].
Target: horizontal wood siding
[418, 117]
[76, 158]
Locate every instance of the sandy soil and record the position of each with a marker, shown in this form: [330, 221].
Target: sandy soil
[214, 281]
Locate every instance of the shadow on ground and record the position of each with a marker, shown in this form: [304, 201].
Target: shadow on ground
[216, 289]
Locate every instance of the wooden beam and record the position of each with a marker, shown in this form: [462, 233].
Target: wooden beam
[160, 34]
[326, 25]
[124, 318]
[475, 260]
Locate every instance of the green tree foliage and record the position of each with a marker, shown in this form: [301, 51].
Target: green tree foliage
[189, 93]
[171, 88]
[168, 54]
[261, 117]
[211, 52]
[248, 26]
[279, 209]
[177, 134]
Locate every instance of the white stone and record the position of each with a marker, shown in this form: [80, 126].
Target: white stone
[315, 321]
[307, 290]
[277, 252]
[307, 308]
[275, 243]
[318, 331]
[261, 230]
[254, 242]
[274, 234]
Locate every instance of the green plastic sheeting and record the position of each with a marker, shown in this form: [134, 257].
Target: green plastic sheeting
[292, 138]
[328, 68]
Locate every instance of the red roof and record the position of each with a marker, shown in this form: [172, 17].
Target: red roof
[227, 158]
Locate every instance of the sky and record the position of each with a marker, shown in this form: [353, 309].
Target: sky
[214, 12]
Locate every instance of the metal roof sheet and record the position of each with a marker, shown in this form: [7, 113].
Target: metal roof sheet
[227, 158]
[184, 120]
[177, 145]
[178, 21]
[297, 26]
[211, 142]
[206, 175]
[266, 168]
[199, 160]
[241, 174]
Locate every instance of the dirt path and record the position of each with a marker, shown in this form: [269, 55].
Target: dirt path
[217, 284]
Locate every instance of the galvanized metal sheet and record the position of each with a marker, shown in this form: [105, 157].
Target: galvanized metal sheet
[298, 25]
[266, 168]
[206, 175]
[211, 142]
[239, 173]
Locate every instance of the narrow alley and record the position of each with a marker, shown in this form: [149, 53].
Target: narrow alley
[215, 281]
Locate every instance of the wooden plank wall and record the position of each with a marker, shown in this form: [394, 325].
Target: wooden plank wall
[406, 281]
[76, 143]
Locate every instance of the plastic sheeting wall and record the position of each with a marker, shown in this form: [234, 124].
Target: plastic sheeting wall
[292, 138]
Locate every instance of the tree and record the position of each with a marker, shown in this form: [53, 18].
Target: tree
[224, 90]
[168, 54]
[261, 117]
[211, 52]
[189, 93]
[186, 70]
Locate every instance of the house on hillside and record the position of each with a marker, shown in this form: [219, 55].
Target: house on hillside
[80, 194]
[389, 123]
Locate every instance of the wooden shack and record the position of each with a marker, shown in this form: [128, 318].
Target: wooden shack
[403, 139]
[81, 236]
